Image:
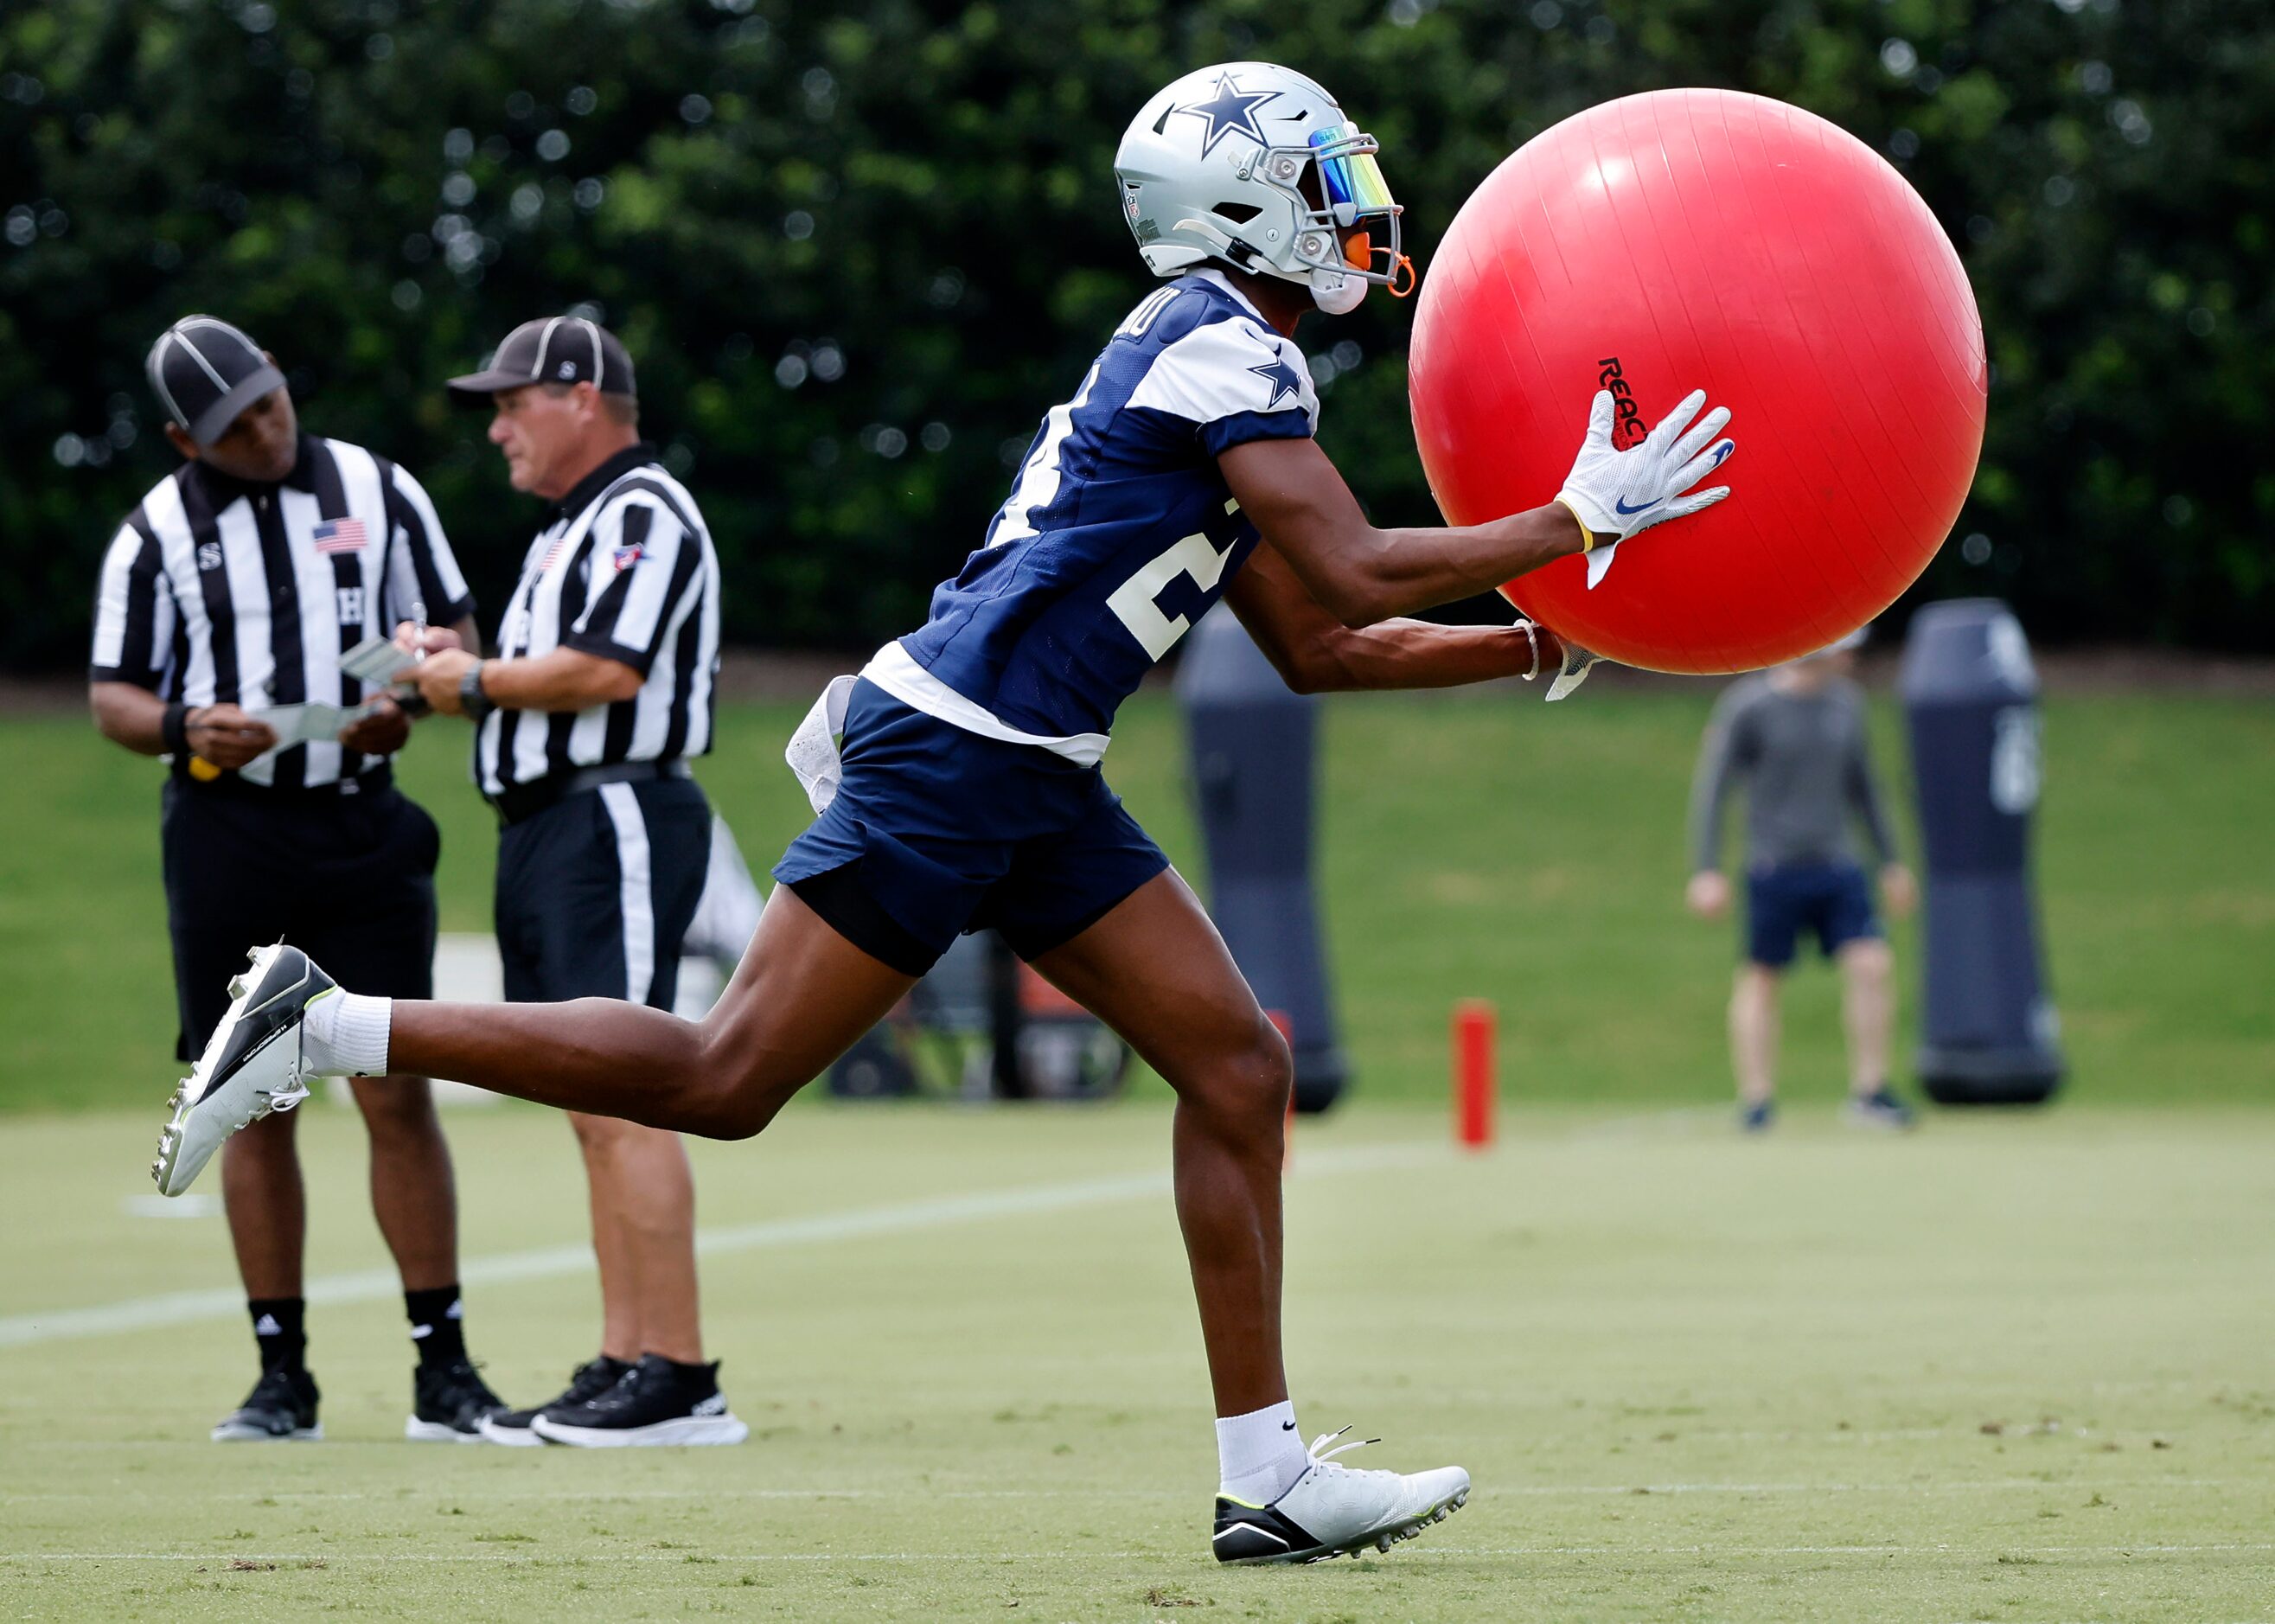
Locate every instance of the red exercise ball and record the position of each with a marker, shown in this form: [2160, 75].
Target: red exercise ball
[1704, 240]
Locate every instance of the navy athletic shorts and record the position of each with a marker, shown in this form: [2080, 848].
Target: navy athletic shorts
[936, 832]
[1830, 900]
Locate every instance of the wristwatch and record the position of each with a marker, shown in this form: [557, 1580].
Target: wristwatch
[471, 699]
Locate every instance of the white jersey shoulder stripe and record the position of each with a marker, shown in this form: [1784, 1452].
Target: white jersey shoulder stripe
[1226, 368]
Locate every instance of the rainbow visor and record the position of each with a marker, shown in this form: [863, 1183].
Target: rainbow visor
[1349, 174]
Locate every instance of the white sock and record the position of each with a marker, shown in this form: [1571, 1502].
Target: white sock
[1260, 1455]
[344, 1035]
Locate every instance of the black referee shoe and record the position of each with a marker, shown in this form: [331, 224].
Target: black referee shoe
[657, 1402]
[280, 1408]
[588, 1380]
[449, 1403]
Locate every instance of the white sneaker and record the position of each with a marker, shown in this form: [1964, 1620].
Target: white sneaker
[251, 1068]
[1336, 1510]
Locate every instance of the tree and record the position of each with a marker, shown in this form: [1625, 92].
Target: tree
[857, 250]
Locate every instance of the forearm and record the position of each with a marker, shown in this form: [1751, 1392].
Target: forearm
[1415, 653]
[1362, 576]
[1865, 798]
[128, 715]
[1408, 569]
[563, 680]
[1367, 576]
[1708, 794]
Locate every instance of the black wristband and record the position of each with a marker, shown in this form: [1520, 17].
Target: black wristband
[174, 727]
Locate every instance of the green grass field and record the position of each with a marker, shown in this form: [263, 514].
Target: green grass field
[2014, 1368]
[1478, 845]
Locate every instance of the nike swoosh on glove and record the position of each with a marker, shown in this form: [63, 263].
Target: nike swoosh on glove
[1616, 494]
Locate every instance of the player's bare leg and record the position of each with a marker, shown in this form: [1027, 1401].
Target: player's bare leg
[1155, 969]
[800, 998]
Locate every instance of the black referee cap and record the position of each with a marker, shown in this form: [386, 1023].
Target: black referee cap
[554, 350]
[205, 372]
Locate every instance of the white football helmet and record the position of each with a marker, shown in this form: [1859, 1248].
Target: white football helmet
[1255, 166]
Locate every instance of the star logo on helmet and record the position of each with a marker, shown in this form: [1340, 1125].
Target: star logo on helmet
[1281, 377]
[1230, 111]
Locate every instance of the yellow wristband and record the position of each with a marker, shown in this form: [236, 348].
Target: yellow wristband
[1587, 536]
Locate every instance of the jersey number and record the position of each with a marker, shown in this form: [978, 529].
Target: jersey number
[1133, 601]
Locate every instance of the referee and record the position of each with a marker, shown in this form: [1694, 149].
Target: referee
[602, 691]
[229, 593]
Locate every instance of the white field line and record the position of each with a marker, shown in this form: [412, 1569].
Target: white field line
[699, 1559]
[176, 1308]
[710, 1492]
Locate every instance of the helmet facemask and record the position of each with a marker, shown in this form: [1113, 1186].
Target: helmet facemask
[1347, 235]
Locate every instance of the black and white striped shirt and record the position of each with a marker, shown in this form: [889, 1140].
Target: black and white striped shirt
[220, 592]
[624, 569]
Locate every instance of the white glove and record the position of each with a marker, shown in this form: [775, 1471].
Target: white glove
[1577, 663]
[1615, 493]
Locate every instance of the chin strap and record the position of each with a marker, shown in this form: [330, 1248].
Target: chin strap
[1228, 248]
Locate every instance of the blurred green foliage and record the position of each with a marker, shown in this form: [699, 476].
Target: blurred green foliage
[857, 249]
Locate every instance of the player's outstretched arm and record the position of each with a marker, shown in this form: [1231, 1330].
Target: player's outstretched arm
[1317, 654]
[1362, 575]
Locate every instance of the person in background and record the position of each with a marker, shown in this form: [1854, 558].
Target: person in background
[600, 692]
[1796, 737]
[226, 601]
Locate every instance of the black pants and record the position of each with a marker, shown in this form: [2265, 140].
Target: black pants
[349, 879]
[595, 893]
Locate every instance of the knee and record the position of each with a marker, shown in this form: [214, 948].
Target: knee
[731, 1094]
[1870, 961]
[1250, 1077]
[737, 1110]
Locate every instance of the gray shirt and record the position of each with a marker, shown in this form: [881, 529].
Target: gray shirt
[1806, 769]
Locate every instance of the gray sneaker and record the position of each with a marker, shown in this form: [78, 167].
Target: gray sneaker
[1880, 1109]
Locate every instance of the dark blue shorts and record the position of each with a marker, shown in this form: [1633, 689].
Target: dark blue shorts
[1831, 900]
[936, 832]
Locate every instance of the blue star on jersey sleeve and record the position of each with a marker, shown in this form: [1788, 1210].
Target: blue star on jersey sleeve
[1282, 378]
[1234, 383]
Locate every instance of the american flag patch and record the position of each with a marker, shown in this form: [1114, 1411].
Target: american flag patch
[552, 554]
[339, 535]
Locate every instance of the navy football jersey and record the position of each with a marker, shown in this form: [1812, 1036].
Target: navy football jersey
[1119, 532]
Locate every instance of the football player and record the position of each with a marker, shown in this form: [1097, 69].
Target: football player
[958, 779]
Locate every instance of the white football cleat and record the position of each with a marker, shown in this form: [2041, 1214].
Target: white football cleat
[251, 1066]
[1336, 1510]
